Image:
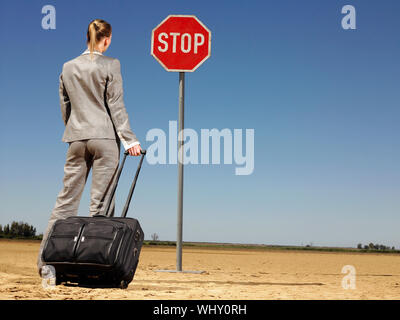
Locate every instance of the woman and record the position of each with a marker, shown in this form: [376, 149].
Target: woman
[95, 118]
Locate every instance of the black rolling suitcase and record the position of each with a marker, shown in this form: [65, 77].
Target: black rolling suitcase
[98, 251]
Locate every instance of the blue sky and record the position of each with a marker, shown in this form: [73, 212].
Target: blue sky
[323, 101]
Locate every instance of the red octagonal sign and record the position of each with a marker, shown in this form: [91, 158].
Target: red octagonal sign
[181, 43]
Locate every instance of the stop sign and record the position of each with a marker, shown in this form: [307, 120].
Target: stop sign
[181, 43]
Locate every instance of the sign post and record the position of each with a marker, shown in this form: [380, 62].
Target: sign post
[180, 171]
[180, 43]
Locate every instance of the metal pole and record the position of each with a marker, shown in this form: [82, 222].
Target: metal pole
[180, 171]
[180, 180]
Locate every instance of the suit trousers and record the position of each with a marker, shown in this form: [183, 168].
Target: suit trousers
[100, 155]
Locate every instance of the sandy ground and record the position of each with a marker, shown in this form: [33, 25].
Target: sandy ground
[229, 274]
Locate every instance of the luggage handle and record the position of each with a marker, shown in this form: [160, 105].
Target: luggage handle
[128, 200]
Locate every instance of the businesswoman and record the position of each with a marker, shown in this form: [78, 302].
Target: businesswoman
[96, 121]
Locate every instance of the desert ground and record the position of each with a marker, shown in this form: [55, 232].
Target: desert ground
[228, 274]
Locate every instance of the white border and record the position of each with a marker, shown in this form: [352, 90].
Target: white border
[186, 16]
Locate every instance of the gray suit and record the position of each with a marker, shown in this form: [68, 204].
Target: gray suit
[92, 107]
[91, 99]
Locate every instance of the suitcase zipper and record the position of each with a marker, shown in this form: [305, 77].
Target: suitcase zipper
[124, 241]
[97, 237]
[77, 242]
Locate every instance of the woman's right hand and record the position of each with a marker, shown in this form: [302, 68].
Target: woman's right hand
[135, 150]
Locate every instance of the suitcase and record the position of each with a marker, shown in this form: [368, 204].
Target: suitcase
[100, 251]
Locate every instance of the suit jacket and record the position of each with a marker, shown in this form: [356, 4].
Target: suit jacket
[91, 99]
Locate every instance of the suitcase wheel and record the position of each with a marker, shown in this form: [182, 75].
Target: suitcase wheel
[123, 284]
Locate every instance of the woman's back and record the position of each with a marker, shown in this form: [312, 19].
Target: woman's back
[91, 91]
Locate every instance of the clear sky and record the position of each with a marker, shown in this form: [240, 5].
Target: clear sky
[323, 102]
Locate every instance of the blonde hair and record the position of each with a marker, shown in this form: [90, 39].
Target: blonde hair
[97, 30]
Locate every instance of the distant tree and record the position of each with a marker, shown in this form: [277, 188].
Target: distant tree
[14, 229]
[366, 247]
[393, 248]
[359, 246]
[154, 237]
[371, 246]
[28, 230]
[1, 229]
[309, 245]
[19, 229]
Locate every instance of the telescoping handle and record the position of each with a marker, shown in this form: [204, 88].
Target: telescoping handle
[114, 187]
[128, 200]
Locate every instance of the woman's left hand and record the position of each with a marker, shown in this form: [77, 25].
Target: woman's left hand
[135, 150]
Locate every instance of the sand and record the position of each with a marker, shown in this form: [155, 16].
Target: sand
[229, 274]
